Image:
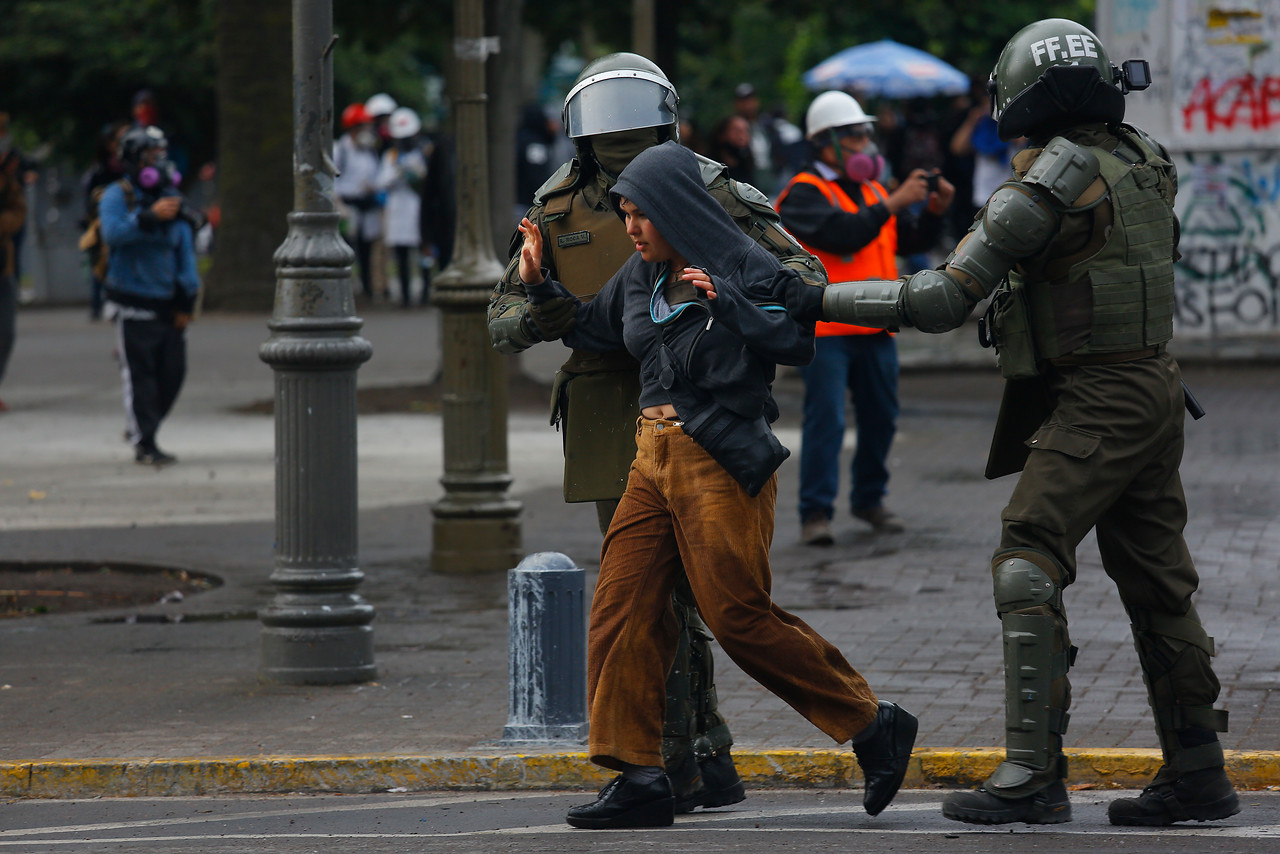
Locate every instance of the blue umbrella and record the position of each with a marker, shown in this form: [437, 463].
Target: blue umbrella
[887, 69]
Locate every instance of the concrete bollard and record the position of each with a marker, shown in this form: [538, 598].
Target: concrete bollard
[547, 675]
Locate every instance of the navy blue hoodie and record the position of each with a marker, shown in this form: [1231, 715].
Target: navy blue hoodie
[707, 357]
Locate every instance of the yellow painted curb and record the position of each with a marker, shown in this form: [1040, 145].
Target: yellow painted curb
[929, 768]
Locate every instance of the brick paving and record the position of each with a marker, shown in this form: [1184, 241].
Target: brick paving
[912, 611]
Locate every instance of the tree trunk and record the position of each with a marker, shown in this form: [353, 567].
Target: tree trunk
[505, 89]
[255, 150]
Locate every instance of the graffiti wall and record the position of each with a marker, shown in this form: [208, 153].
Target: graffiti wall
[1228, 280]
[1215, 102]
[1226, 75]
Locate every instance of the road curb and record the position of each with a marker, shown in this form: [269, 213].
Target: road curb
[930, 768]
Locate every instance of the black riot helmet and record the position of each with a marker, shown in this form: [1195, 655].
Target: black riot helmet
[620, 92]
[1055, 74]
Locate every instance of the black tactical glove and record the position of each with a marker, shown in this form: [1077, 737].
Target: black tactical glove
[554, 318]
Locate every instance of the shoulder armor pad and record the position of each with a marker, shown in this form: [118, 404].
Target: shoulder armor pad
[710, 169]
[1065, 170]
[1152, 145]
[563, 178]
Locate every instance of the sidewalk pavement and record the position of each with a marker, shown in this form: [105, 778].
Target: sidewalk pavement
[118, 702]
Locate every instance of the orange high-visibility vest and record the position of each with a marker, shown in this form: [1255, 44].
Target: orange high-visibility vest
[874, 261]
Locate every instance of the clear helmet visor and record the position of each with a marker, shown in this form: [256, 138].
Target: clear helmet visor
[618, 101]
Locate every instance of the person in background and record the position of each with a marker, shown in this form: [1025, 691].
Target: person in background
[978, 137]
[840, 212]
[151, 285]
[731, 145]
[379, 108]
[13, 214]
[536, 139]
[957, 161]
[766, 148]
[107, 169]
[356, 186]
[403, 170]
[145, 112]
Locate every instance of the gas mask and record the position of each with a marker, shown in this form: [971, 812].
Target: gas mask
[159, 174]
[863, 166]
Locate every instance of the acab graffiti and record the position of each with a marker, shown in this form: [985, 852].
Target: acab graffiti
[1227, 280]
[1244, 103]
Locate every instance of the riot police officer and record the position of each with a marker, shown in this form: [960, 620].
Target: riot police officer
[1078, 249]
[619, 106]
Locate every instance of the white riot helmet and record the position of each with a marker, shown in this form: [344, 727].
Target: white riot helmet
[403, 123]
[834, 110]
[380, 104]
[619, 92]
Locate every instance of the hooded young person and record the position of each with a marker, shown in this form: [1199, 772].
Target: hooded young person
[708, 314]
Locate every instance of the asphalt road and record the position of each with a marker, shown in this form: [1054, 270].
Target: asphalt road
[768, 821]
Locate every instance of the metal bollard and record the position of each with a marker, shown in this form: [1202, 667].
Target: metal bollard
[547, 675]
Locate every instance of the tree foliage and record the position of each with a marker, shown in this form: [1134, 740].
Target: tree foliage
[69, 66]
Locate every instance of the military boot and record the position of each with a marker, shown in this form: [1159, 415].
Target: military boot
[1012, 793]
[1204, 795]
[1046, 806]
[712, 782]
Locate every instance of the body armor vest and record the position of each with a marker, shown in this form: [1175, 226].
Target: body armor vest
[588, 246]
[1115, 293]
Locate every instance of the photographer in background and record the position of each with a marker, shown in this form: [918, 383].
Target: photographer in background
[151, 284]
[839, 211]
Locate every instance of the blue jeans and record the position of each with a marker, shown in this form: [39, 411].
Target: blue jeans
[867, 365]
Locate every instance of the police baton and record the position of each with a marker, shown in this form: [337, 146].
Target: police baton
[1193, 405]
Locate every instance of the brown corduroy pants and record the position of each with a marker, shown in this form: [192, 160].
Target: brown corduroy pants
[681, 508]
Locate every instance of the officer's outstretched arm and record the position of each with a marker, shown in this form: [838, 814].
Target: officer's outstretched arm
[1018, 221]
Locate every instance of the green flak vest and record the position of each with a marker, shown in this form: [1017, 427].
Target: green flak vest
[596, 395]
[1119, 285]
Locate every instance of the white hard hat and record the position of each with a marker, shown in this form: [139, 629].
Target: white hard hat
[834, 110]
[403, 123]
[380, 104]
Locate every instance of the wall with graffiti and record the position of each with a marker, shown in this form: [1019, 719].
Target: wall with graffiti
[1229, 276]
[1216, 104]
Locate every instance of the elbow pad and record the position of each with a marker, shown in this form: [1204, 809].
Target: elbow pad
[512, 333]
[933, 301]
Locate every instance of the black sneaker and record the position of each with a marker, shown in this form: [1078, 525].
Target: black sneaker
[1205, 795]
[625, 803]
[153, 456]
[884, 757]
[1047, 806]
[711, 783]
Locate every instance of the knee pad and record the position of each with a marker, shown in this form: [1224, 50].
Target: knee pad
[1026, 580]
